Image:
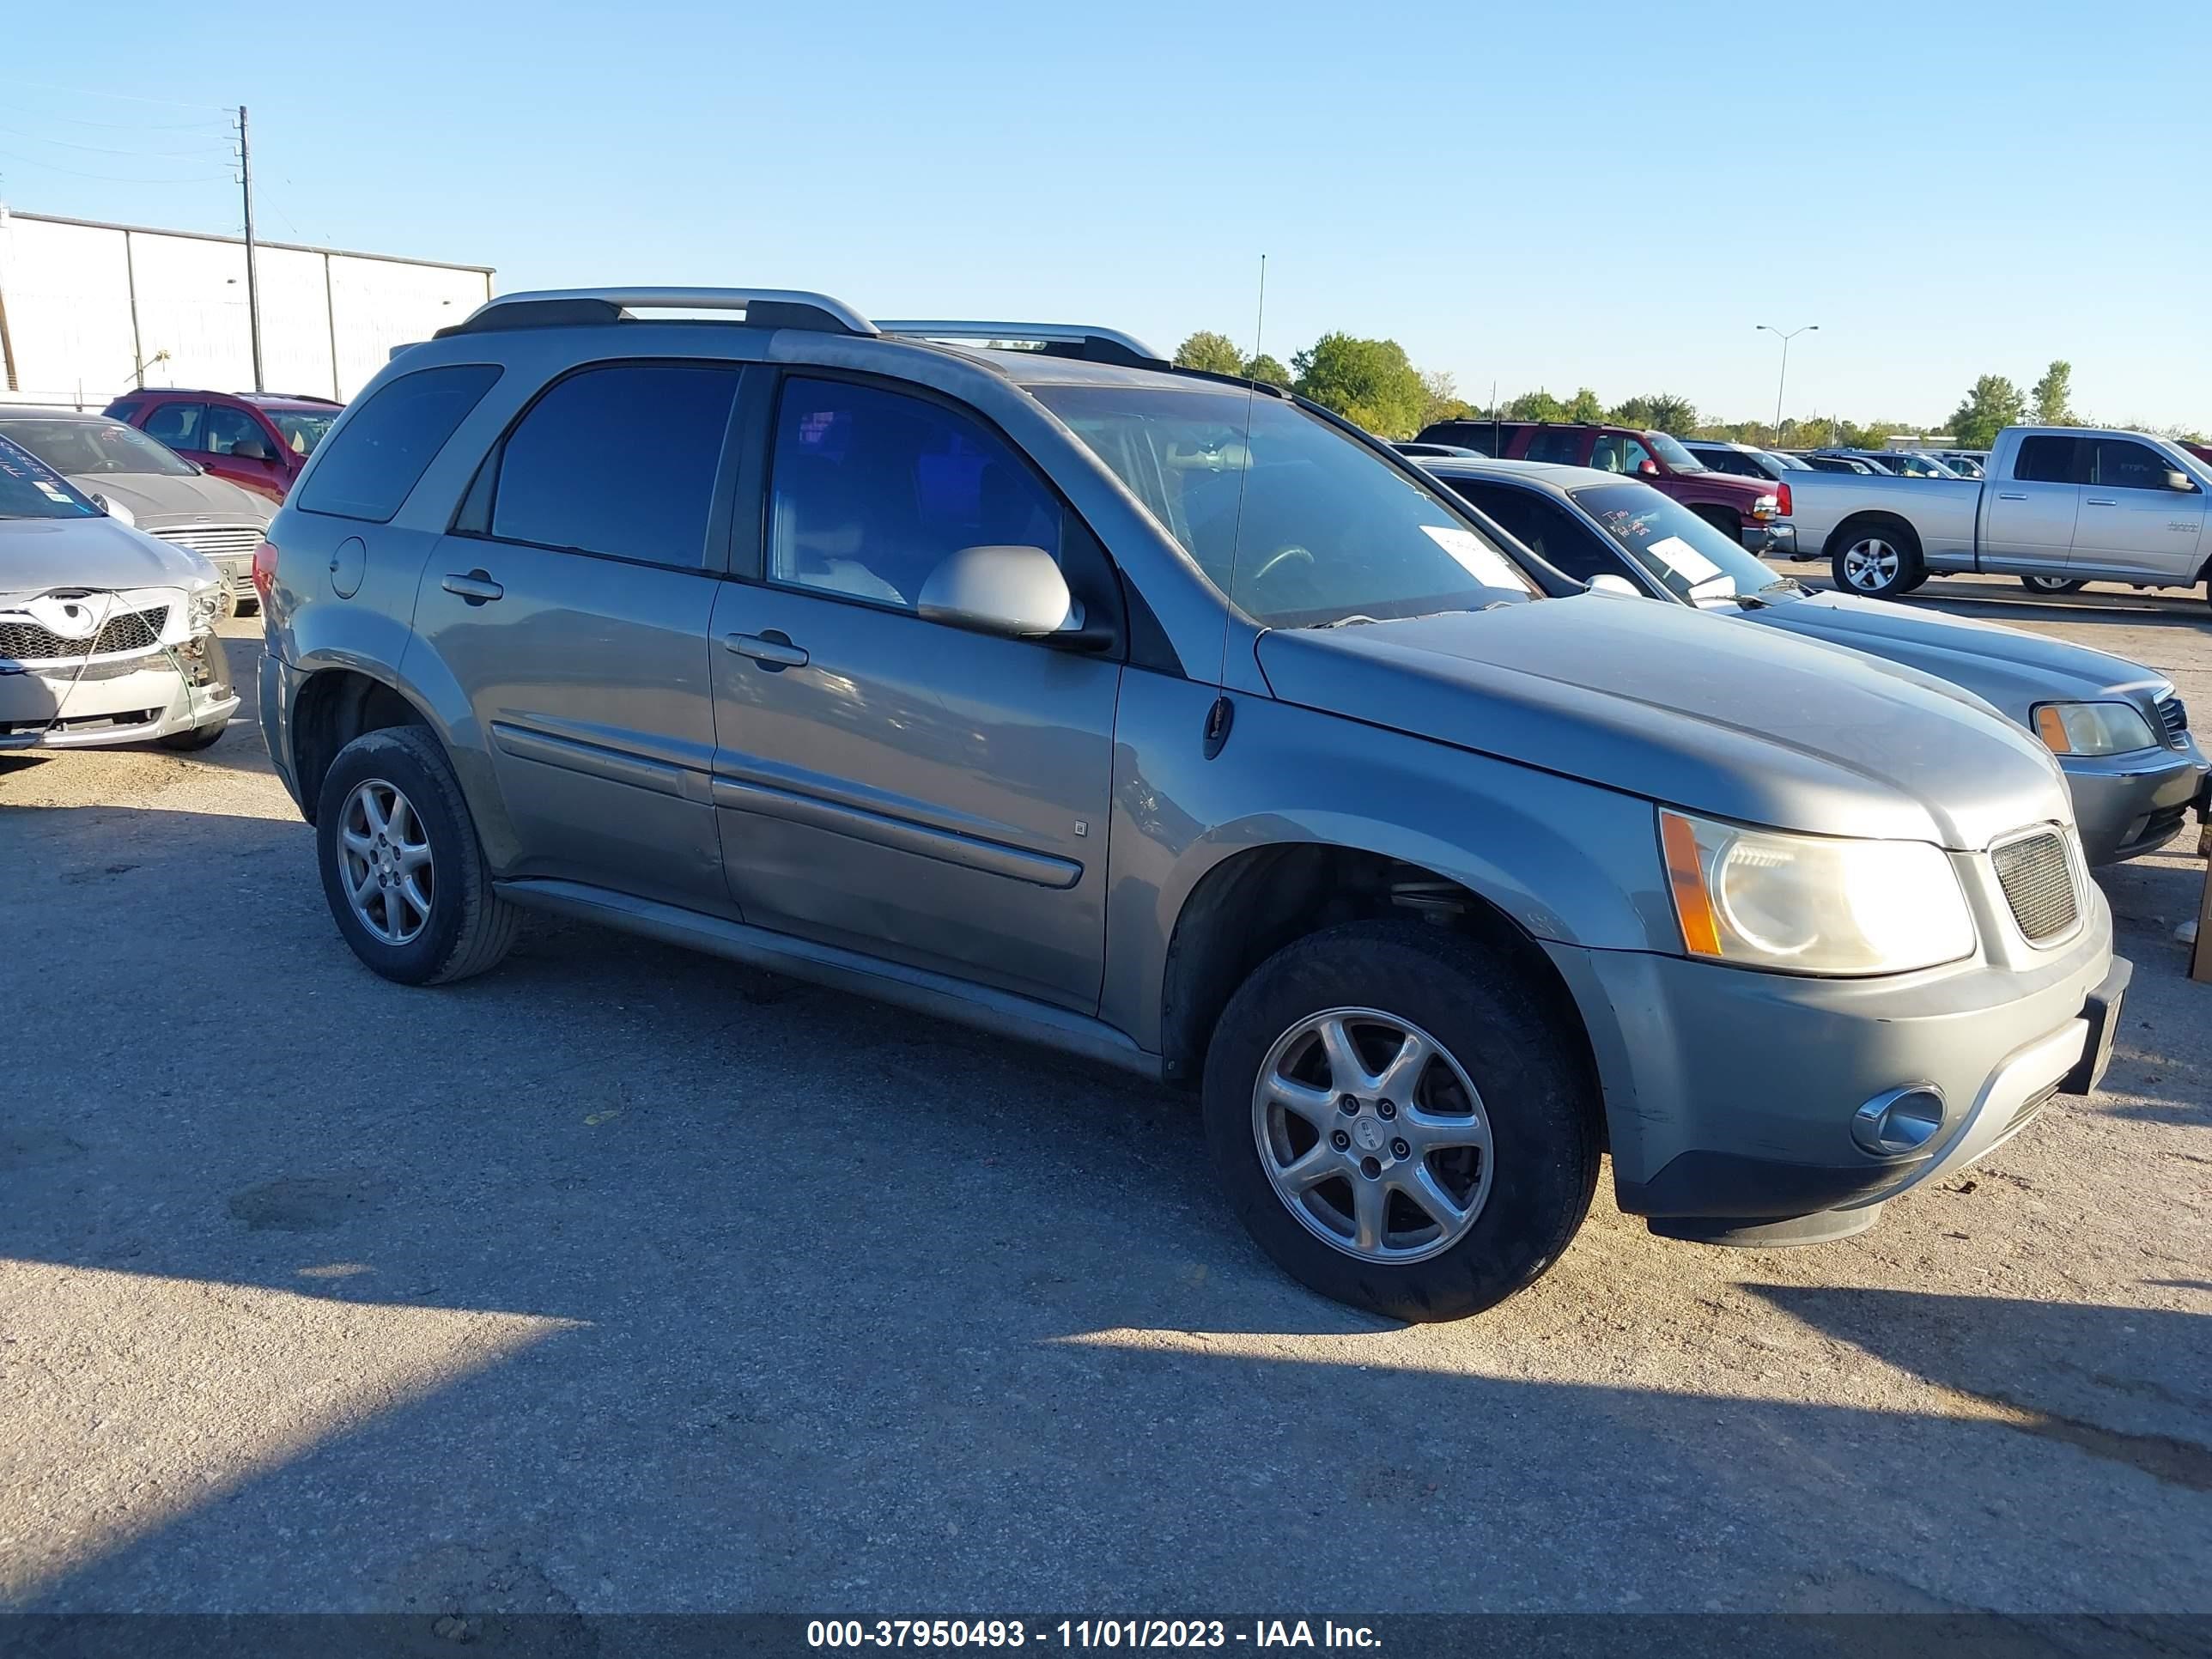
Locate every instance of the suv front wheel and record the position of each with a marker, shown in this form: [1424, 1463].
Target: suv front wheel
[401, 867]
[1399, 1124]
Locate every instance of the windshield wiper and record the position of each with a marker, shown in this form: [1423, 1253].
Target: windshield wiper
[1346, 621]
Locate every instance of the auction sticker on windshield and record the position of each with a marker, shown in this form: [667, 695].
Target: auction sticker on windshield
[1681, 556]
[1481, 560]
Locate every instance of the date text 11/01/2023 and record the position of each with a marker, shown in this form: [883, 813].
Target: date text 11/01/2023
[1085, 1633]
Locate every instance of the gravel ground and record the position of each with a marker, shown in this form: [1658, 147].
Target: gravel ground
[626, 1280]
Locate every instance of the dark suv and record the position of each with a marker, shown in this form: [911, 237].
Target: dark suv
[1754, 513]
[261, 440]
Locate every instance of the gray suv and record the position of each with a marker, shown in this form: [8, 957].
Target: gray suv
[1004, 671]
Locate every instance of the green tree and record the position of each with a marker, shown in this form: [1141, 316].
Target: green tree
[1537, 406]
[1583, 406]
[1444, 403]
[1264, 367]
[1371, 383]
[1661, 412]
[1217, 354]
[1994, 404]
[2054, 394]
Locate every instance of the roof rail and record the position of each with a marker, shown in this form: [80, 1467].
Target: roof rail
[1103, 345]
[771, 308]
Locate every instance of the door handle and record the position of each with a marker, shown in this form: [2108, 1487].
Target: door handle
[476, 588]
[2099, 501]
[2012, 494]
[773, 649]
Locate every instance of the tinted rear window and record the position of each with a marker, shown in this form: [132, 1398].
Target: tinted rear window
[2045, 460]
[374, 460]
[619, 460]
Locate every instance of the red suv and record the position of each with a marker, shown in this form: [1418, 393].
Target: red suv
[261, 440]
[1756, 511]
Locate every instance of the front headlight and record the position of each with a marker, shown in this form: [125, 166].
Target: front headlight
[206, 605]
[1812, 904]
[1766, 507]
[2093, 728]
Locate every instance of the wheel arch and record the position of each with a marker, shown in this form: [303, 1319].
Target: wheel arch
[1866, 519]
[333, 706]
[1255, 900]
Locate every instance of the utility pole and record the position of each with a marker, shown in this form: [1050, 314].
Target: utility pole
[1809, 328]
[252, 280]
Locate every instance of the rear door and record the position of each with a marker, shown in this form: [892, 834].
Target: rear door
[2028, 519]
[2133, 522]
[571, 603]
[895, 785]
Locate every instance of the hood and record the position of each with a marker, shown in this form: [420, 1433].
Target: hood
[1724, 484]
[1672, 705]
[38, 554]
[2009, 667]
[156, 498]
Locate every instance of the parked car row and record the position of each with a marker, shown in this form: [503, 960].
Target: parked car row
[1175, 722]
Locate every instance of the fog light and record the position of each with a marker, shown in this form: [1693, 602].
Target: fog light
[1902, 1120]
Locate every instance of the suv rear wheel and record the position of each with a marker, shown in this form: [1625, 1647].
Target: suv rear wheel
[1399, 1124]
[402, 870]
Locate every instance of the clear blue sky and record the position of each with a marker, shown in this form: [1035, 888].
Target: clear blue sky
[1544, 193]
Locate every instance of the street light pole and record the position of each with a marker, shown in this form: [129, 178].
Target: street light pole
[1808, 328]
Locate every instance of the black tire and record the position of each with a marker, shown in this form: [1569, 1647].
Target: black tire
[1890, 556]
[1541, 1103]
[1918, 581]
[1729, 524]
[2051, 585]
[470, 927]
[200, 737]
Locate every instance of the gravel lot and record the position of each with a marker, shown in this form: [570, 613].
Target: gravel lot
[629, 1280]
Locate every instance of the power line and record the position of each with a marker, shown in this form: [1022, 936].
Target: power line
[103, 178]
[211, 140]
[125, 97]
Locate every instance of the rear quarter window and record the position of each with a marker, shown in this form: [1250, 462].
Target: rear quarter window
[371, 464]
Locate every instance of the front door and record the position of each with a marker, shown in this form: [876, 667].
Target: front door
[573, 609]
[2134, 523]
[2028, 519]
[236, 447]
[898, 785]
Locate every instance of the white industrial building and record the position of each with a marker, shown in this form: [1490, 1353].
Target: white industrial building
[89, 311]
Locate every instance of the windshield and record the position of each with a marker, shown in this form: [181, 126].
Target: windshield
[91, 446]
[1693, 560]
[29, 489]
[1678, 459]
[1787, 463]
[301, 430]
[1298, 525]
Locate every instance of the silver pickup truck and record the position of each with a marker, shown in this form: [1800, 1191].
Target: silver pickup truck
[2058, 506]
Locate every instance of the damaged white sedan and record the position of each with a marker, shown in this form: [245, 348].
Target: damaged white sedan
[106, 635]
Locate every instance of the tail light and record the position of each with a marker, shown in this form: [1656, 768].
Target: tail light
[265, 568]
[1782, 500]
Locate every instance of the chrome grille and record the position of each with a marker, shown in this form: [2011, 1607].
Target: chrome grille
[215, 541]
[2173, 714]
[2038, 878]
[134, 630]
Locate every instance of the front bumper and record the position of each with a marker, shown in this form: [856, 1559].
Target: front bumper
[135, 699]
[2128, 804]
[1777, 538]
[1729, 1093]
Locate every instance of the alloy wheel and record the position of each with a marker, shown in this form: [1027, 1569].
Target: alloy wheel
[385, 862]
[1372, 1136]
[1871, 565]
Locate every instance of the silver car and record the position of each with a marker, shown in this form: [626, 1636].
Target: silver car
[106, 635]
[146, 483]
[1176, 723]
[2120, 731]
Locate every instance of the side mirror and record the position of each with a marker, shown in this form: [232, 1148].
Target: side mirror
[1620, 587]
[114, 510]
[2178, 481]
[1015, 591]
[1647, 469]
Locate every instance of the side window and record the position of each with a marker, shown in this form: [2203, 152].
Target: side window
[2121, 463]
[1544, 528]
[378, 453]
[1556, 443]
[2045, 460]
[177, 425]
[871, 490]
[225, 429]
[1634, 455]
[619, 460]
